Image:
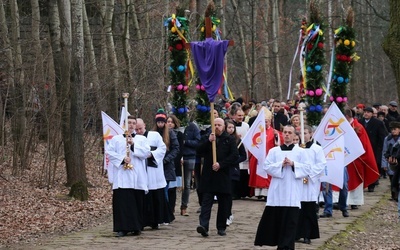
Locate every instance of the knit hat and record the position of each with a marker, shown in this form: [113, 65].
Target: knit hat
[360, 106]
[161, 116]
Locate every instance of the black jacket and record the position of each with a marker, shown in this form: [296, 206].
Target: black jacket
[227, 156]
[235, 170]
[169, 158]
[377, 132]
[191, 140]
[177, 161]
[280, 120]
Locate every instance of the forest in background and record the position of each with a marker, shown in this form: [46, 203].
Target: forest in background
[62, 62]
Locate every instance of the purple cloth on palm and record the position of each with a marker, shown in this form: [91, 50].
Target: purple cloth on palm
[209, 59]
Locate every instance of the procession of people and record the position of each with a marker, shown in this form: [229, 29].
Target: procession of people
[291, 186]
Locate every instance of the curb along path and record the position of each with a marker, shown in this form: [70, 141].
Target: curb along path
[181, 234]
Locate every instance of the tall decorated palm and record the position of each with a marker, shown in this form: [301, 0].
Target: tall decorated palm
[344, 58]
[178, 34]
[313, 61]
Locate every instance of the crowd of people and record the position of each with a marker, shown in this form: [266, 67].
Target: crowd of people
[149, 167]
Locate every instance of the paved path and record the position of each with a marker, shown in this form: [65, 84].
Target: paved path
[181, 234]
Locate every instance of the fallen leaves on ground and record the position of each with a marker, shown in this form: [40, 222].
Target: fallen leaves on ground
[31, 210]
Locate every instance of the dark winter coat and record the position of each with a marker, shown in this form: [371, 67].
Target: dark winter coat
[169, 158]
[177, 161]
[235, 170]
[227, 156]
[191, 140]
[377, 132]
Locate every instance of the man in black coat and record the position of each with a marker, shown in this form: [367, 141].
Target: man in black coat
[280, 119]
[215, 177]
[393, 114]
[376, 132]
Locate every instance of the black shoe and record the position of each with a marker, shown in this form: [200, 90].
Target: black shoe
[121, 234]
[307, 241]
[345, 213]
[354, 207]
[202, 230]
[325, 215]
[335, 206]
[221, 232]
[136, 232]
[371, 189]
[155, 227]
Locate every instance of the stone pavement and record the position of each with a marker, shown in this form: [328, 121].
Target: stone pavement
[181, 234]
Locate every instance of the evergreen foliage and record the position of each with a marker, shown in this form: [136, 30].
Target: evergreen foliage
[344, 59]
[178, 27]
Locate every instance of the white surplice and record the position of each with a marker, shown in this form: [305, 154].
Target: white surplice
[286, 185]
[135, 178]
[155, 175]
[317, 161]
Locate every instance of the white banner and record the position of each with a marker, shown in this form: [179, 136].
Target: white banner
[256, 142]
[110, 129]
[333, 129]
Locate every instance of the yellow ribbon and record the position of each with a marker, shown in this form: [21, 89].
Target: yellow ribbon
[310, 27]
[355, 57]
[338, 30]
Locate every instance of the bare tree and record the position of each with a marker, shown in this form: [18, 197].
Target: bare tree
[242, 42]
[91, 53]
[275, 47]
[107, 13]
[126, 43]
[266, 49]
[391, 43]
[20, 154]
[62, 64]
[76, 172]
[9, 68]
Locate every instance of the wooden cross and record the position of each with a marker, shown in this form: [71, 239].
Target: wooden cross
[208, 30]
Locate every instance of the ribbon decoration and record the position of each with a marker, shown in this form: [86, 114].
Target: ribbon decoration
[291, 68]
[227, 91]
[177, 23]
[328, 81]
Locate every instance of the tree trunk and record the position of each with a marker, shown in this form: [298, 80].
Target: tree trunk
[266, 66]
[126, 45]
[135, 21]
[107, 14]
[391, 43]
[76, 172]
[371, 59]
[38, 75]
[90, 49]
[38, 63]
[253, 48]
[18, 93]
[275, 47]
[246, 67]
[9, 68]
[364, 62]
[63, 86]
